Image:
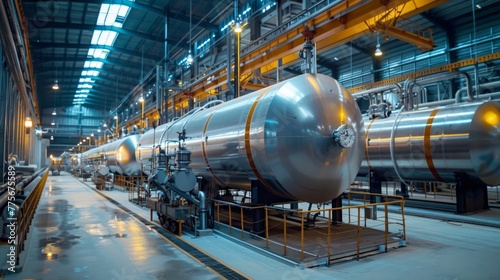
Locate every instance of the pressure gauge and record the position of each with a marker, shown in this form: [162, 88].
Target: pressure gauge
[344, 136]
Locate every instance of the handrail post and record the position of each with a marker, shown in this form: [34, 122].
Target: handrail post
[302, 236]
[386, 227]
[329, 235]
[349, 205]
[218, 215]
[267, 229]
[230, 224]
[242, 223]
[358, 233]
[284, 235]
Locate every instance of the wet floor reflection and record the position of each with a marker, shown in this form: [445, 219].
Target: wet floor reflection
[77, 234]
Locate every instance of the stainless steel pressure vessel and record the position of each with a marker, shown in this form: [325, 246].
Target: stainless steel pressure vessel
[433, 144]
[301, 138]
[118, 155]
[76, 162]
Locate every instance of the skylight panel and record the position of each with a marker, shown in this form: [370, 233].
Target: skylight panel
[112, 15]
[103, 37]
[90, 73]
[86, 80]
[85, 86]
[93, 64]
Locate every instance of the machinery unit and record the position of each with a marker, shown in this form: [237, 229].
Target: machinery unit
[56, 165]
[300, 139]
[176, 183]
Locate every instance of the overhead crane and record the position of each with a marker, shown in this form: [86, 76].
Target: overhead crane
[334, 26]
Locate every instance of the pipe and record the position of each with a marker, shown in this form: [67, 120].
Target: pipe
[203, 208]
[468, 85]
[372, 90]
[13, 62]
[458, 95]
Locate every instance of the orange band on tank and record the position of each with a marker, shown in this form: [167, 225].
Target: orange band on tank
[366, 144]
[427, 145]
[247, 141]
[204, 149]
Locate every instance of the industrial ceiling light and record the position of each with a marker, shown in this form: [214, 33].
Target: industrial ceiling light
[190, 56]
[237, 28]
[55, 86]
[28, 123]
[51, 137]
[53, 122]
[54, 113]
[378, 51]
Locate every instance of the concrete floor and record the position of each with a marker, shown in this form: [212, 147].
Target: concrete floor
[90, 238]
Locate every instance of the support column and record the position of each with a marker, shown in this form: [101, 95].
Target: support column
[472, 194]
[337, 214]
[261, 196]
[376, 188]
[404, 190]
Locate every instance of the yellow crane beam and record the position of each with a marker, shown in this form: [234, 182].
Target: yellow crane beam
[335, 26]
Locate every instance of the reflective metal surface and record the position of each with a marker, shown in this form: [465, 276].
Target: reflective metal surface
[119, 155]
[280, 135]
[433, 144]
[76, 162]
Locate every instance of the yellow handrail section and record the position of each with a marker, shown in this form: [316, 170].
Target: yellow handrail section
[26, 213]
[309, 236]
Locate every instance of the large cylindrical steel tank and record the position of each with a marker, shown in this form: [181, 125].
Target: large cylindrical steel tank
[433, 144]
[118, 155]
[76, 162]
[301, 138]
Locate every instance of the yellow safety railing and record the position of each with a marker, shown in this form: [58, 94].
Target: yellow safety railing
[26, 213]
[317, 241]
